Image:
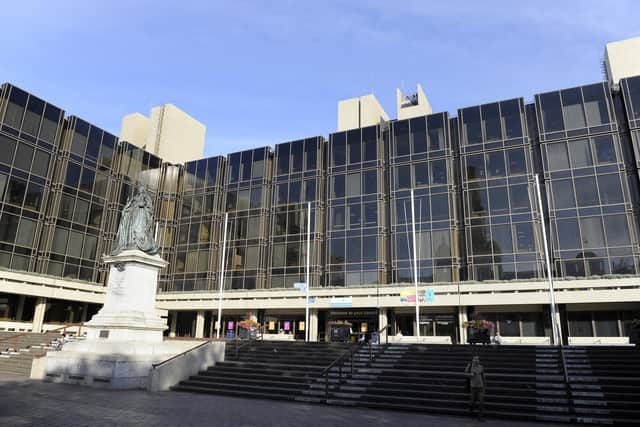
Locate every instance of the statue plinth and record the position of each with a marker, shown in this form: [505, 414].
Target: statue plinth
[129, 311]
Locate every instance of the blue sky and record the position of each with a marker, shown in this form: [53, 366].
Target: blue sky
[263, 72]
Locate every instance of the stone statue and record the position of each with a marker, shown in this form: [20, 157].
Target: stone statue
[136, 224]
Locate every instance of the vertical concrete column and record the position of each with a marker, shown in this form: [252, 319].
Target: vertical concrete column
[38, 315]
[199, 324]
[20, 308]
[383, 321]
[313, 325]
[85, 309]
[174, 324]
[462, 319]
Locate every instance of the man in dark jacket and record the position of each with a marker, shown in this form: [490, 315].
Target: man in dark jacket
[477, 382]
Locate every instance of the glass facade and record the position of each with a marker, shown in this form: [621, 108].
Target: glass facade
[64, 181]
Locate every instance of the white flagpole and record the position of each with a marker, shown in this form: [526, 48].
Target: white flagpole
[308, 285]
[415, 263]
[222, 264]
[554, 320]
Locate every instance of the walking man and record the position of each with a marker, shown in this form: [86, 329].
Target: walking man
[477, 382]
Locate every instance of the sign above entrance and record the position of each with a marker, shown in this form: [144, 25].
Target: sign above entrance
[301, 286]
[409, 295]
[341, 302]
[429, 295]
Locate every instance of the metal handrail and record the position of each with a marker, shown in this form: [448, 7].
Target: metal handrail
[155, 365]
[339, 361]
[245, 344]
[566, 380]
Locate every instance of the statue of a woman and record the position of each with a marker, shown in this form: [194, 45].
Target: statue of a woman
[136, 225]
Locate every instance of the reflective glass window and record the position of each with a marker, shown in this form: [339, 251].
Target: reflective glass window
[418, 128]
[370, 143]
[33, 197]
[563, 194]
[441, 242]
[49, 125]
[354, 249]
[355, 216]
[370, 214]
[7, 149]
[580, 153]
[610, 189]
[354, 184]
[480, 243]
[551, 112]
[495, 164]
[403, 177]
[283, 159]
[516, 161]
[617, 230]
[557, 157]
[297, 155]
[436, 127]
[421, 174]
[337, 187]
[338, 147]
[16, 191]
[568, 233]
[438, 172]
[511, 118]
[519, 197]
[311, 150]
[499, 200]
[524, 237]
[15, 108]
[355, 149]
[310, 190]
[475, 167]
[478, 202]
[472, 126]
[256, 198]
[401, 137]
[501, 239]
[295, 190]
[605, 149]
[572, 108]
[337, 217]
[491, 122]
[40, 165]
[595, 103]
[31, 123]
[79, 140]
[370, 179]
[336, 251]
[282, 191]
[592, 232]
[440, 207]
[585, 194]
[23, 157]
[26, 232]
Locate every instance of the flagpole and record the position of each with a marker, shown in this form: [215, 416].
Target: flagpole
[222, 265]
[308, 285]
[415, 263]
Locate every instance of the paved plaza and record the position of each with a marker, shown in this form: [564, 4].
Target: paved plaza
[29, 403]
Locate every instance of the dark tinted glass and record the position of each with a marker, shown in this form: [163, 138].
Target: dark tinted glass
[421, 174]
[283, 159]
[491, 121]
[93, 145]
[605, 149]
[472, 126]
[563, 194]
[49, 125]
[7, 149]
[418, 128]
[595, 103]
[475, 167]
[40, 165]
[438, 172]
[246, 160]
[15, 108]
[573, 109]
[499, 201]
[370, 143]
[297, 155]
[552, 120]
[32, 118]
[234, 167]
[23, 157]
[511, 118]
[401, 137]
[355, 149]
[568, 233]
[585, 194]
[337, 188]
[516, 161]
[79, 141]
[634, 96]
[311, 150]
[435, 128]
[370, 182]
[338, 147]
[403, 177]
[610, 189]
[310, 190]
[495, 164]
[478, 202]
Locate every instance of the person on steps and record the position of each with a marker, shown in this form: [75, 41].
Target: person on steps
[477, 383]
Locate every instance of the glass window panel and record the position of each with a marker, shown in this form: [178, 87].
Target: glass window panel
[355, 149]
[234, 167]
[617, 230]
[572, 108]
[370, 143]
[568, 233]
[66, 207]
[17, 190]
[3, 185]
[243, 200]
[495, 164]
[438, 172]
[338, 148]
[310, 190]
[336, 252]
[79, 141]
[95, 215]
[605, 149]
[256, 198]
[311, 150]
[355, 216]
[592, 232]
[418, 128]
[502, 239]
[252, 257]
[509, 324]
[89, 249]
[563, 194]
[232, 199]
[401, 137]
[297, 156]
[478, 202]
[50, 124]
[511, 118]
[337, 187]
[370, 214]
[353, 184]
[81, 211]
[440, 207]
[8, 227]
[524, 237]
[337, 217]
[580, 153]
[74, 248]
[23, 157]
[471, 125]
[280, 223]
[370, 184]
[580, 324]
[498, 201]
[282, 191]
[634, 96]
[475, 167]
[423, 243]
[34, 196]
[585, 194]
[532, 325]
[595, 103]
[295, 190]
[278, 255]
[73, 175]
[606, 323]
[551, 112]
[354, 249]
[516, 161]
[40, 165]
[436, 126]
[295, 221]
[402, 246]
[480, 240]
[403, 177]
[557, 157]
[7, 149]
[491, 122]
[610, 189]
[26, 232]
[33, 115]
[86, 182]
[246, 158]
[15, 108]
[369, 249]
[423, 206]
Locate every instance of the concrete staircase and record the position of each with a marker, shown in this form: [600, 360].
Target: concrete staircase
[17, 350]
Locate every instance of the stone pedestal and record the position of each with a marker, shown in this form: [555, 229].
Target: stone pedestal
[124, 338]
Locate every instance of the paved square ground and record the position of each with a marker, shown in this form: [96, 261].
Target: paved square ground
[31, 403]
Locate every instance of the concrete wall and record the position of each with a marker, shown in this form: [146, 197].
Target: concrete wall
[135, 128]
[405, 111]
[182, 367]
[174, 135]
[360, 112]
[622, 59]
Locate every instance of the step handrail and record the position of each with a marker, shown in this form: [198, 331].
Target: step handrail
[63, 328]
[155, 365]
[567, 386]
[245, 344]
[325, 372]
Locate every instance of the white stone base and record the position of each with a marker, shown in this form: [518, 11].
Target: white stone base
[123, 365]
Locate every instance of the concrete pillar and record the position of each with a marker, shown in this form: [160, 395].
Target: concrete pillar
[199, 324]
[462, 319]
[382, 322]
[85, 309]
[174, 324]
[313, 325]
[20, 308]
[38, 315]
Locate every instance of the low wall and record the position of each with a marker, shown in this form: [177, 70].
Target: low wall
[598, 340]
[394, 339]
[181, 367]
[278, 337]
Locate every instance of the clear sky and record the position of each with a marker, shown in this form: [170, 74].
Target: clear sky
[263, 72]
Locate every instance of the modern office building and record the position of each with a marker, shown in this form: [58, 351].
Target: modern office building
[445, 203]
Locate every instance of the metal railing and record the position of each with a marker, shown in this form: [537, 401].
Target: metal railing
[156, 365]
[566, 381]
[14, 340]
